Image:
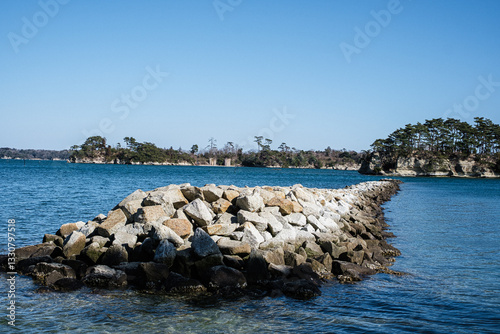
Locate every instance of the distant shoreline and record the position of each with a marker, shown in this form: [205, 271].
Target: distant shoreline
[355, 168]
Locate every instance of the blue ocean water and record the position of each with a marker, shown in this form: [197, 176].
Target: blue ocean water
[447, 230]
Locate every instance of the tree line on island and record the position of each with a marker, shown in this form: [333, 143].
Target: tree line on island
[439, 139]
[97, 147]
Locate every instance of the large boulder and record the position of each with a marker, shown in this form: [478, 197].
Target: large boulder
[92, 253]
[257, 268]
[219, 277]
[165, 253]
[211, 193]
[137, 195]
[116, 219]
[114, 255]
[251, 235]
[124, 238]
[49, 273]
[163, 232]
[199, 212]
[67, 229]
[171, 197]
[181, 227]
[230, 194]
[252, 203]
[74, 244]
[221, 205]
[285, 205]
[259, 222]
[102, 276]
[45, 249]
[203, 245]
[233, 247]
[191, 193]
[152, 274]
[151, 214]
[179, 284]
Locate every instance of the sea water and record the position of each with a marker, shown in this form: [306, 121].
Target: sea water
[447, 230]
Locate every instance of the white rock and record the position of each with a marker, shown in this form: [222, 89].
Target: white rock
[250, 203]
[274, 225]
[296, 219]
[251, 235]
[199, 212]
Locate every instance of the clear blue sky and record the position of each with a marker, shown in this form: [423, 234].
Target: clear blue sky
[234, 68]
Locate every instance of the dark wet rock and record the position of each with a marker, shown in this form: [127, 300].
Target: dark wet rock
[203, 265]
[293, 259]
[165, 253]
[203, 245]
[348, 269]
[234, 261]
[49, 273]
[115, 255]
[179, 284]
[219, 277]
[67, 284]
[301, 289]
[27, 266]
[78, 266]
[352, 256]
[184, 262]
[280, 270]
[152, 275]
[256, 268]
[305, 271]
[46, 249]
[102, 276]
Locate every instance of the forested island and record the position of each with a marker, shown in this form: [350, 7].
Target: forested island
[438, 147]
[97, 150]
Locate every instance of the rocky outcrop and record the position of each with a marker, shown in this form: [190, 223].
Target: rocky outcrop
[375, 164]
[221, 239]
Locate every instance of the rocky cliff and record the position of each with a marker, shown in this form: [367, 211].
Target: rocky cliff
[220, 239]
[375, 164]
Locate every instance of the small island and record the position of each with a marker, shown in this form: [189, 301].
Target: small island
[437, 148]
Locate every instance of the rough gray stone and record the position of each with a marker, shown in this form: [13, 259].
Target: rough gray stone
[199, 212]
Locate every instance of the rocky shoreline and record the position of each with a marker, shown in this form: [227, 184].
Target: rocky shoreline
[417, 166]
[220, 239]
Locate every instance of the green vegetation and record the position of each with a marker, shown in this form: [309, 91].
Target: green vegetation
[12, 153]
[439, 139]
[96, 148]
[446, 137]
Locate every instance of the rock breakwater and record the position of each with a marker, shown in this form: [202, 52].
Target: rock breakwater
[221, 239]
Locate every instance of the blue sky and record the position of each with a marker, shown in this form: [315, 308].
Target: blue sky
[309, 73]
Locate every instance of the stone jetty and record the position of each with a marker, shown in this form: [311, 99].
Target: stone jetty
[221, 239]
